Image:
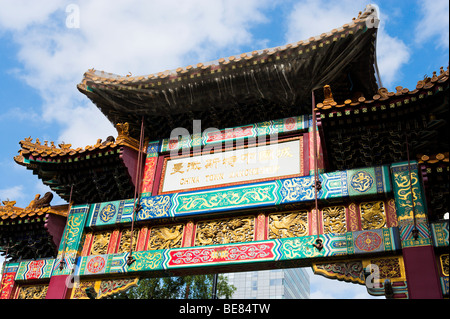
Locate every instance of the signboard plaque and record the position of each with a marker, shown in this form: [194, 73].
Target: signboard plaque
[283, 159]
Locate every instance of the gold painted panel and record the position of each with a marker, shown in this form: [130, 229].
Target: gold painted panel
[33, 292]
[444, 259]
[100, 243]
[124, 245]
[334, 220]
[165, 237]
[373, 215]
[392, 268]
[79, 290]
[225, 231]
[292, 224]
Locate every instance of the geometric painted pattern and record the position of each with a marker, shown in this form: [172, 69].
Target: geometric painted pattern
[35, 269]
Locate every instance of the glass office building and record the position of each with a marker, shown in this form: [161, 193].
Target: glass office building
[270, 284]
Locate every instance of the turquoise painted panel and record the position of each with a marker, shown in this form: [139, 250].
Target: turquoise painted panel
[117, 263]
[71, 240]
[368, 181]
[440, 233]
[302, 247]
[292, 124]
[410, 198]
[226, 199]
[35, 269]
[110, 213]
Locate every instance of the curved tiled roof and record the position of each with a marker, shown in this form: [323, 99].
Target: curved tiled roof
[250, 87]
[93, 77]
[99, 172]
[9, 211]
[51, 153]
[427, 84]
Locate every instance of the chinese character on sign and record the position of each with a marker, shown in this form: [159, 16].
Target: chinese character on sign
[177, 168]
[212, 163]
[193, 166]
[230, 161]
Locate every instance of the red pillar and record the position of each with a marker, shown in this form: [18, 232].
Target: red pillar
[57, 288]
[422, 274]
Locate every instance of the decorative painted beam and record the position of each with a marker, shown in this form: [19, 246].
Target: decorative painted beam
[440, 231]
[411, 204]
[335, 186]
[285, 252]
[7, 283]
[240, 133]
[417, 250]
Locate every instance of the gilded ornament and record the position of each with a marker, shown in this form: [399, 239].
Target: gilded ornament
[373, 215]
[334, 220]
[444, 264]
[33, 292]
[165, 237]
[225, 231]
[111, 287]
[349, 271]
[79, 291]
[100, 243]
[361, 181]
[124, 245]
[288, 225]
[389, 268]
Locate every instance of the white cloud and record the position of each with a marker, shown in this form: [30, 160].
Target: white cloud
[140, 37]
[324, 288]
[12, 193]
[314, 17]
[434, 23]
[392, 54]
[19, 14]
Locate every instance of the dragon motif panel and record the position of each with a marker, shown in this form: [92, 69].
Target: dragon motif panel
[165, 237]
[284, 225]
[225, 231]
[100, 243]
[373, 215]
[334, 220]
[33, 292]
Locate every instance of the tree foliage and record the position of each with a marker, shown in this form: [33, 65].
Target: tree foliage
[188, 287]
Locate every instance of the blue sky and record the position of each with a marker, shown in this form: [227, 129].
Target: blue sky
[42, 59]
